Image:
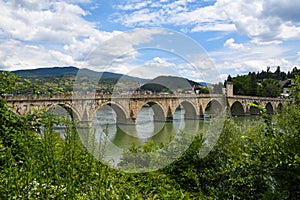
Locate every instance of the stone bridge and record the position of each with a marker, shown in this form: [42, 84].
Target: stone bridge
[84, 107]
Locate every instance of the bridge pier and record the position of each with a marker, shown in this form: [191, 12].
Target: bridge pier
[169, 119]
[200, 116]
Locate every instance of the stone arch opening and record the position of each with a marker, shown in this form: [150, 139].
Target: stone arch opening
[269, 108]
[188, 109]
[114, 112]
[254, 110]
[150, 120]
[280, 107]
[63, 110]
[237, 109]
[213, 108]
[154, 110]
[60, 110]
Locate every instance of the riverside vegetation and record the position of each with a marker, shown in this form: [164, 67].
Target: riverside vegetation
[251, 160]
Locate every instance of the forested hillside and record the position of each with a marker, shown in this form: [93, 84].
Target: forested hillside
[264, 83]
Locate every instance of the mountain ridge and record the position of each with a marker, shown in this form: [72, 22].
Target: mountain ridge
[54, 72]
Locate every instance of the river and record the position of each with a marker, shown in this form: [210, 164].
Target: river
[119, 138]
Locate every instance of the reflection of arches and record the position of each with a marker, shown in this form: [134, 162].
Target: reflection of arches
[214, 107]
[269, 108]
[64, 110]
[120, 113]
[254, 110]
[159, 113]
[237, 109]
[190, 110]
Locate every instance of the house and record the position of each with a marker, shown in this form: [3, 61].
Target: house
[285, 85]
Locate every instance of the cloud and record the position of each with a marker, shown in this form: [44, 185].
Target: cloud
[55, 27]
[230, 43]
[47, 21]
[286, 10]
[16, 55]
[136, 6]
[155, 67]
[269, 21]
[122, 48]
[251, 58]
[175, 13]
[260, 20]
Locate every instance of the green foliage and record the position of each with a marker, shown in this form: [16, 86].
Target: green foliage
[295, 90]
[270, 88]
[245, 85]
[10, 82]
[264, 83]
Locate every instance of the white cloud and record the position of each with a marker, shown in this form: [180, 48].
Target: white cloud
[260, 21]
[263, 21]
[214, 27]
[156, 67]
[175, 13]
[134, 6]
[16, 55]
[230, 43]
[54, 22]
[54, 27]
[121, 49]
[287, 10]
[251, 58]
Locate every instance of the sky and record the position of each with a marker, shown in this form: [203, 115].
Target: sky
[198, 39]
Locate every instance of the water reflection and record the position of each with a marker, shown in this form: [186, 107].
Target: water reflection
[108, 140]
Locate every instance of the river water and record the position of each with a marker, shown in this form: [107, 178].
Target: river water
[119, 138]
[108, 141]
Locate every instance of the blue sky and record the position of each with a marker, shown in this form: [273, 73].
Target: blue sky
[236, 36]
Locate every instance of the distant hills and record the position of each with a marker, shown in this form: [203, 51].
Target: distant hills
[171, 83]
[56, 72]
[65, 76]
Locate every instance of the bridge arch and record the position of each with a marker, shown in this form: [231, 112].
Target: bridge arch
[189, 108]
[237, 109]
[253, 110]
[72, 112]
[269, 108]
[121, 117]
[213, 107]
[279, 107]
[159, 112]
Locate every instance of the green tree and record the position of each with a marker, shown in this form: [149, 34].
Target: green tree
[295, 90]
[245, 85]
[9, 82]
[270, 88]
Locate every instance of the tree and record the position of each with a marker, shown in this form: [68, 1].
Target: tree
[245, 85]
[295, 90]
[270, 88]
[9, 82]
